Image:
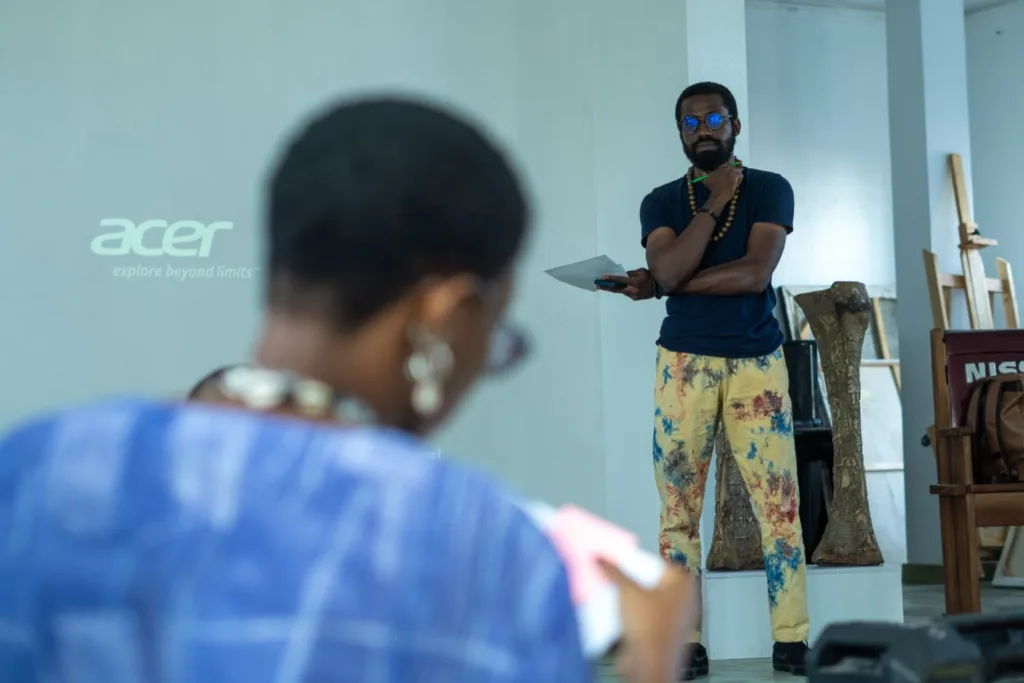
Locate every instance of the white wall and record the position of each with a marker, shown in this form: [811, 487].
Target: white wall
[818, 92]
[541, 429]
[595, 139]
[636, 149]
[995, 81]
[172, 111]
[816, 111]
[818, 96]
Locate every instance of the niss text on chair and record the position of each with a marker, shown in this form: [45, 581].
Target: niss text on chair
[958, 360]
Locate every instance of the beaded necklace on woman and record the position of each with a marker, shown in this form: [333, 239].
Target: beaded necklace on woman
[730, 215]
[266, 390]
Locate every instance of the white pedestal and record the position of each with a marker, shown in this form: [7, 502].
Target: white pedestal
[736, 624]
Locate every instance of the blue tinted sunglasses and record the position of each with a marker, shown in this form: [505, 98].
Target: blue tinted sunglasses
[714, 121]
[509, 343]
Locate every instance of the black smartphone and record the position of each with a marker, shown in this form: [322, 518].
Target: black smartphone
[609, 284]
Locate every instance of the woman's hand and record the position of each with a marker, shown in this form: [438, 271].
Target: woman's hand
[656, 624]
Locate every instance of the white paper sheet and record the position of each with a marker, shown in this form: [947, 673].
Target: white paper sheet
[583, 273]
[598, 614]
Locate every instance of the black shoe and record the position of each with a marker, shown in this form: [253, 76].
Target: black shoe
[790, 658]
[698, 666]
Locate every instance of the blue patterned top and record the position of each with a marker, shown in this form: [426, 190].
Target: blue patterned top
[160, 543]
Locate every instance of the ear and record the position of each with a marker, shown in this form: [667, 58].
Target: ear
[737, 126]
[442, 300]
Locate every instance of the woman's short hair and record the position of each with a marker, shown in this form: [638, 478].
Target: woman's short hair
[376, 195]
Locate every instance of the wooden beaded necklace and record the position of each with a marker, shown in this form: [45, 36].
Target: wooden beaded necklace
[730, 216]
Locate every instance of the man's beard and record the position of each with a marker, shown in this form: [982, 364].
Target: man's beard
[710, 159]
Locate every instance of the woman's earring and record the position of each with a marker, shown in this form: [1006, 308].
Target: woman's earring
[428, 368]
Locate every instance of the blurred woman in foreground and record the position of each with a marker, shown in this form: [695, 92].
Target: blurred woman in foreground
[156, 542]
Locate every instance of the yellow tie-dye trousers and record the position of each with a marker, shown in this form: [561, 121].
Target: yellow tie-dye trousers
[749, 398]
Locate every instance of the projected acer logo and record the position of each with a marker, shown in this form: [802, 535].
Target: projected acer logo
[180, 244]
[180, 239]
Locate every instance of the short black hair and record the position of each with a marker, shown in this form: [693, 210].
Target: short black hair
[707, 88]
[376, 195]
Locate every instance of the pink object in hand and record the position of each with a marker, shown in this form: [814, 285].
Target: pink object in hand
[581, 538]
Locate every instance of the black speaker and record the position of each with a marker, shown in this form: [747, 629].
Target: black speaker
[868, 652]
[802, 363]
[1000, 637]
[815, 458]
[974, 648]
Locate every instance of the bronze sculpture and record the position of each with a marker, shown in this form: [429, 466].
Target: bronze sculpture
[736, 542]
[838, 317]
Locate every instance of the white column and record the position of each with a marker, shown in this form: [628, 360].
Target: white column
[716, 50]
[637, 147]
[706, 60]
[928, 119]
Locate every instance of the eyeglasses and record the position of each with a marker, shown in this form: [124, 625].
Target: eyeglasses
[714, 121]
[509, 343]
[509, 346]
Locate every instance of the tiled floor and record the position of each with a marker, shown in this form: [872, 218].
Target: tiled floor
[920, 603]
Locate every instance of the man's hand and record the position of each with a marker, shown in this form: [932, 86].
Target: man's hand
[722, 183]
[656, 624]
[639, 284]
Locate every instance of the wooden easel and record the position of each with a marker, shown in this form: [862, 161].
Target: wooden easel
[980, 291]
[979, 303]
[1005, 275]
[883, 344]
[941, 286]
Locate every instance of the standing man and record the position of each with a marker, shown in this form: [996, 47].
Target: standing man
[712, 245]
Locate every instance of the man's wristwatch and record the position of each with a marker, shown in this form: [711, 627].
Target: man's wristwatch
[658, 291]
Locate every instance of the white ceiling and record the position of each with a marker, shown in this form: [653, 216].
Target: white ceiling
[970, 5]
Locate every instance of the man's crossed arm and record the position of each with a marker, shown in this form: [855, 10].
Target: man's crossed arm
[747, 275]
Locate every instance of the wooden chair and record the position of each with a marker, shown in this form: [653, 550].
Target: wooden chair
[958, 359]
